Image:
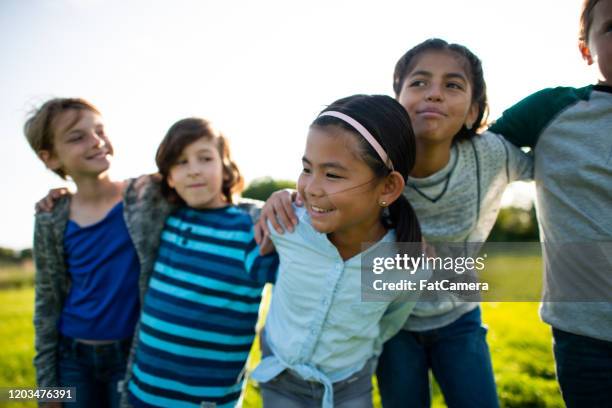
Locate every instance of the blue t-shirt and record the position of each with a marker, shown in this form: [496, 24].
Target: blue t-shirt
[102, 303]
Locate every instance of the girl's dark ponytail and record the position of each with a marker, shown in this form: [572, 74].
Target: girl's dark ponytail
[404, 219]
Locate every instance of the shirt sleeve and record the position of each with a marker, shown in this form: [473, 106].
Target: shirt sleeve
[394, 318]
[47, 305]
[523, 122]
[392, 321]
[261, 268]
[519, 163]
[252, 207]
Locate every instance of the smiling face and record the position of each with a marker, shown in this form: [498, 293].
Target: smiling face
[197, 175]
[599, 48]
[437, 94]
[81, 148]
[340, 191]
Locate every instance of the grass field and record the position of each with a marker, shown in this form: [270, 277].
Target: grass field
[520, 346]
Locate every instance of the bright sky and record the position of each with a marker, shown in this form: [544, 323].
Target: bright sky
[260, 70]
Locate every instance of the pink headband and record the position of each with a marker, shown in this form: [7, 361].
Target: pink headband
[364, 132]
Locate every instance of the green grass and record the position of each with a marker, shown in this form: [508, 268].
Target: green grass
[16, 340]
[520, 347]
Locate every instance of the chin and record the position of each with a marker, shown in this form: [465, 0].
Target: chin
[323, 228]
[193, 201]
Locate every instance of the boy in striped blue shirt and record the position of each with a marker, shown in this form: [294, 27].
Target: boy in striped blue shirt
[199, 314]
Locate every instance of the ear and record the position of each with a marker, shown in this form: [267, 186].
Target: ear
[470, 119]
[585, 52]
[170, 181]
[51, 161]
[392, 188]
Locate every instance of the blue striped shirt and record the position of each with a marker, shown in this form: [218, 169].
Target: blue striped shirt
[198, 318]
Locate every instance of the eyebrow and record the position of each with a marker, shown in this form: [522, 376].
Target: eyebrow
[68, 132]
[333, 165]
[457, 75]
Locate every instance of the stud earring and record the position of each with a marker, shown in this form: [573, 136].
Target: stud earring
[383, 203]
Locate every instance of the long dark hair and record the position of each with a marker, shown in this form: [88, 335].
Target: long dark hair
[472, 66]
[389, 124]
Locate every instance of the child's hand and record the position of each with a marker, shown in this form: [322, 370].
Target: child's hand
[267, 246]
[278, 206]
[47, 203]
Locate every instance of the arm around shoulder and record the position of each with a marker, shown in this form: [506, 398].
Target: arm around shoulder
[522, 123]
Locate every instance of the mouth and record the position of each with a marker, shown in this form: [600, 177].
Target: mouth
[318, 210]
[431, 112]
[99, 155]
[196, 185]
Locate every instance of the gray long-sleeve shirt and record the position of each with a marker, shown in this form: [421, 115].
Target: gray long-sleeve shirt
[571, 132]
[460, 203]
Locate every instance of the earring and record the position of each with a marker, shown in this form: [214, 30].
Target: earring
[469, 126]
[383, 203]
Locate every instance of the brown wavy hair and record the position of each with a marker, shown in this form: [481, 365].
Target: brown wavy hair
[182, 134]
[39, 128]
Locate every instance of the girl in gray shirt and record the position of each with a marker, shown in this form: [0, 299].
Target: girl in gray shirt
[455, 188]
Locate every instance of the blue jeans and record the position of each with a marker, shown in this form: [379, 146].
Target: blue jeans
[584, 369]
[457, 355]
[95, 371]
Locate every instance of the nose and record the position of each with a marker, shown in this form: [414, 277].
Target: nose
[434, 93]
[98, 140]
[193, 168]
[313, 188]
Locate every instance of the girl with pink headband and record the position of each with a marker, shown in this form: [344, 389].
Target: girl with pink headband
[358, 154]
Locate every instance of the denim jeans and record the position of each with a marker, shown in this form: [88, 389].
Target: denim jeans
[457, 355]
[95, 371]
[584, 369]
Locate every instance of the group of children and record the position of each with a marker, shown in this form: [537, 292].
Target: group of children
[148, 290]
